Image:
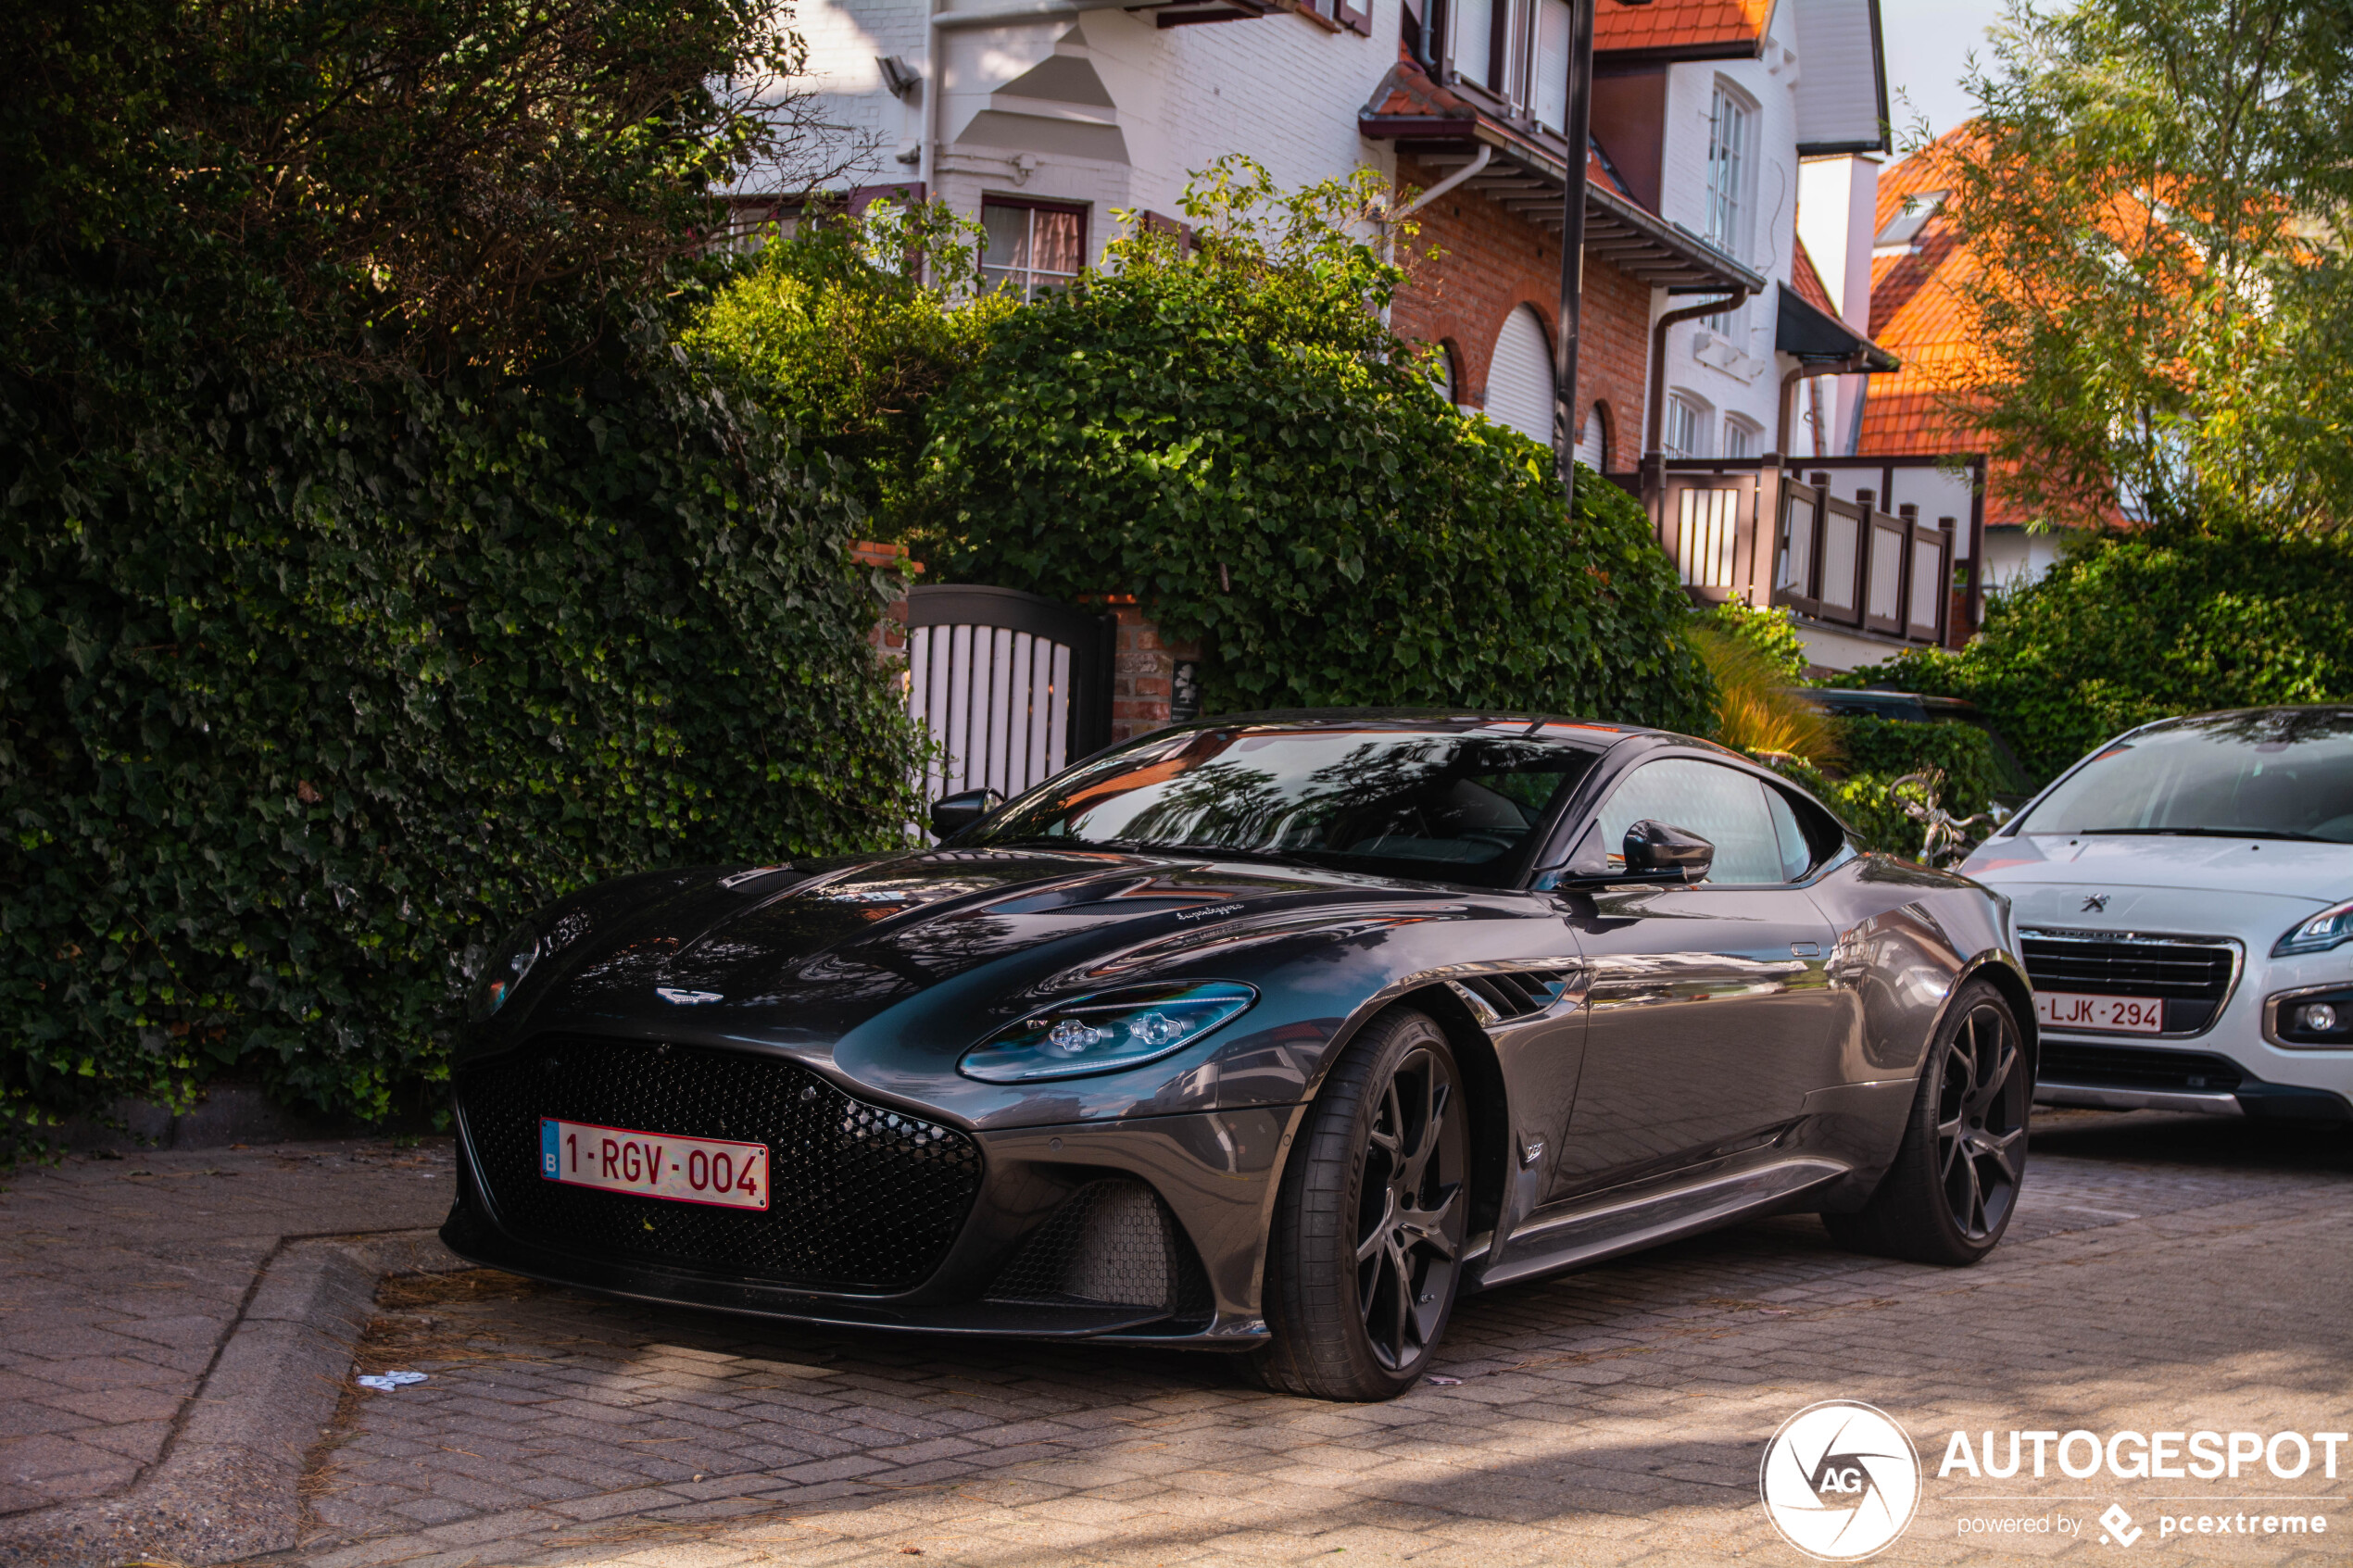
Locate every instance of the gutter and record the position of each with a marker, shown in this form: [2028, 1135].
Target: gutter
[1657, 411]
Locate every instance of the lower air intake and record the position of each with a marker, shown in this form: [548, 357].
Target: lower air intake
[864, 1198]
[1114, 1243]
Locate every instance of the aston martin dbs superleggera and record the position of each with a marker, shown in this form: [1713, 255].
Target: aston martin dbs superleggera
[1274, 1033]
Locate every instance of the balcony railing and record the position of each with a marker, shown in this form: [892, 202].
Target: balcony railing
[1806, 535]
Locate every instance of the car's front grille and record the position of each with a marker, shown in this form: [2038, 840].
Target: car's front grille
[2175, 970]
[2191, 977]
[862, 1198]
[2129, 1067]
[1113, 1243]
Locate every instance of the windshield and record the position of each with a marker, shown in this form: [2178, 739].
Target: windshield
[2251, 776]
[1449, 806]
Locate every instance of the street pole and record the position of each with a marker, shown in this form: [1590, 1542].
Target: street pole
[1579, 133]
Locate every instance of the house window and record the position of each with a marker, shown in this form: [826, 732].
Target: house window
[1730, 128]
[1034, 247]
[1741, 437]
[1473, 41]
[1686, 433]
[1549, 92]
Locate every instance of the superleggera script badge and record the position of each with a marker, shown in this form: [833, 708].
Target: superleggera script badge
[1212, 909]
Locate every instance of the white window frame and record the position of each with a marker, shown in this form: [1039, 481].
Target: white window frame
[1687, 421]
[1732, 168]
[1026, 278]
[1739, 430]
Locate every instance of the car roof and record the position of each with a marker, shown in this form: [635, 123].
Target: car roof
[1555, 727]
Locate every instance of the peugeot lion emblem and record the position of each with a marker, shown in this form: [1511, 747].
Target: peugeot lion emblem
[2093, 904]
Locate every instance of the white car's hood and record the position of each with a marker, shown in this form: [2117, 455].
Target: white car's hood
[2118, 882]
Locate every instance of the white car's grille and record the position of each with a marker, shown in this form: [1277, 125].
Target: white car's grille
[2190, 976]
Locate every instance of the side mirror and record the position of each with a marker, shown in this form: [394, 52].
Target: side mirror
[951, 814]
[1662, 852]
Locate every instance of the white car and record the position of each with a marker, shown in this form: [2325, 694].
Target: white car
[2183, 899]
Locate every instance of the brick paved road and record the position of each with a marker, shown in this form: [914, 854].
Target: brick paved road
[2163, 1271]
[119, 1277]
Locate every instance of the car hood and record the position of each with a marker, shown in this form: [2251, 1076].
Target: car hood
[2258, 886]
[793, 958]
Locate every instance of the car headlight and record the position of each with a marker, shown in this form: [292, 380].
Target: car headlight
[1105, 1032]
[2332, 927]
[509, 961]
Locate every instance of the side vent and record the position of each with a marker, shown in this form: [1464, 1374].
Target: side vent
[1113, 1243]
[1511, 994]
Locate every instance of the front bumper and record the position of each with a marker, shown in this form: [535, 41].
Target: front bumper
[1065, 1222]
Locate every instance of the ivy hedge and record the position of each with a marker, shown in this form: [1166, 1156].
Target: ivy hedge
[1232, 435]
[2133, 628]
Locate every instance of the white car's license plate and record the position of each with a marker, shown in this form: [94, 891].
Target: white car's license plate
[2070, 1009]
[733, 1175]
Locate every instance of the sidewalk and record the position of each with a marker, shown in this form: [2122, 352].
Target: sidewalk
[122, 1281]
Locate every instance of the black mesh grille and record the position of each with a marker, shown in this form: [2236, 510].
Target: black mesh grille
[862, 1198]
[2125, 1067]
[1113, 1243]
[2186, 972]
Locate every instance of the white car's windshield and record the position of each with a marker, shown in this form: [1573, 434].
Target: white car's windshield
[1457, 806]
[2283, 773]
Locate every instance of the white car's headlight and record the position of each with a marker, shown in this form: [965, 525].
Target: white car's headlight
[2330, 928]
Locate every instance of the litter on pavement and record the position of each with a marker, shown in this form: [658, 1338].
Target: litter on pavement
[388, 1381]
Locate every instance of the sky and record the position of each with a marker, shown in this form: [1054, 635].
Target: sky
[1926, 42]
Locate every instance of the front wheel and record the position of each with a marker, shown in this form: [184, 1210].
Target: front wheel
[1365, 1253]
[1950, 1193]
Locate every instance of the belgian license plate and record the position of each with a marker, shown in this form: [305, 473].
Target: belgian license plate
[732, 1175]
[2130, 1015]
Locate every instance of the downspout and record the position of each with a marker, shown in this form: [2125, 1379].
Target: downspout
[1658, 358]
[1850, 366]
[1469, 171]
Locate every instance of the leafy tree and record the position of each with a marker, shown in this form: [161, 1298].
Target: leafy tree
[2156, 196]
[1230, 431]
[844, 329]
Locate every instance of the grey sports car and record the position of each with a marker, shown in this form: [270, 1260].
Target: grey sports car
[1274, 1033]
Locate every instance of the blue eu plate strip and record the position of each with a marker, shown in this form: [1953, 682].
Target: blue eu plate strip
[548, 1163]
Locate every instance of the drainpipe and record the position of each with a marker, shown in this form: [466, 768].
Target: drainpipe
[1469, 171]
[1658, 356]
[1852, 365]
[936, 60]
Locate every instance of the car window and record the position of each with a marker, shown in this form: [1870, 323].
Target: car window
[1797, 854]
[1723, 807]
[2267, 774]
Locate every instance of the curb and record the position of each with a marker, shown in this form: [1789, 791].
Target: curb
[227, 1485]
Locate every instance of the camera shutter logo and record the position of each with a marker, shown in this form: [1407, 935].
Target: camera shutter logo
[1840, 1480]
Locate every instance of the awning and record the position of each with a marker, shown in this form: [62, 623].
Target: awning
[1816, 337]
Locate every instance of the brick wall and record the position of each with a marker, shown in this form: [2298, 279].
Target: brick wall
[1143, 673]
[1492, 262]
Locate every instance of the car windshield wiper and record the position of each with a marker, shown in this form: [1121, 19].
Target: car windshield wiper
[2210, 833]
[1137, 847]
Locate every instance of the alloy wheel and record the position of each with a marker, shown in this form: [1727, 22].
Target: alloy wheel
[1981, 1122]
[1412, 1210]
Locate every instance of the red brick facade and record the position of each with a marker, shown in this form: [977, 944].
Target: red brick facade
[1143, 673]
[1489, 263]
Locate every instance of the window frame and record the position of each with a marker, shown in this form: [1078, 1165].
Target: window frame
[1033, 206]
[1731, 168]
[1697, 410]
[1555, 864]
[1752, 435]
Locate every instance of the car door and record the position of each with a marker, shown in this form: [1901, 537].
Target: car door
[1709, 1012]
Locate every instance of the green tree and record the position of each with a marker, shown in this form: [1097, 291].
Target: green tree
[2156, 198]
[1230, 431]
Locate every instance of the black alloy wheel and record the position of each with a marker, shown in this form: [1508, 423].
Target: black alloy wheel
[1953, 1186]
[1365, 1256]
[1981, 1123]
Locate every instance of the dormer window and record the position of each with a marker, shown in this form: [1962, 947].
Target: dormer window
[1909, 220]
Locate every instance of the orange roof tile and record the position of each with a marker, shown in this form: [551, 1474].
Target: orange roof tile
[1708, 28]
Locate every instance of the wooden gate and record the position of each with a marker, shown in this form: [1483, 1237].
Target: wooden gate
[1014, 687]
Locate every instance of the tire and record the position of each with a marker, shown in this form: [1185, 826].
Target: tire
[1364, 1255]
[1950, 1193]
